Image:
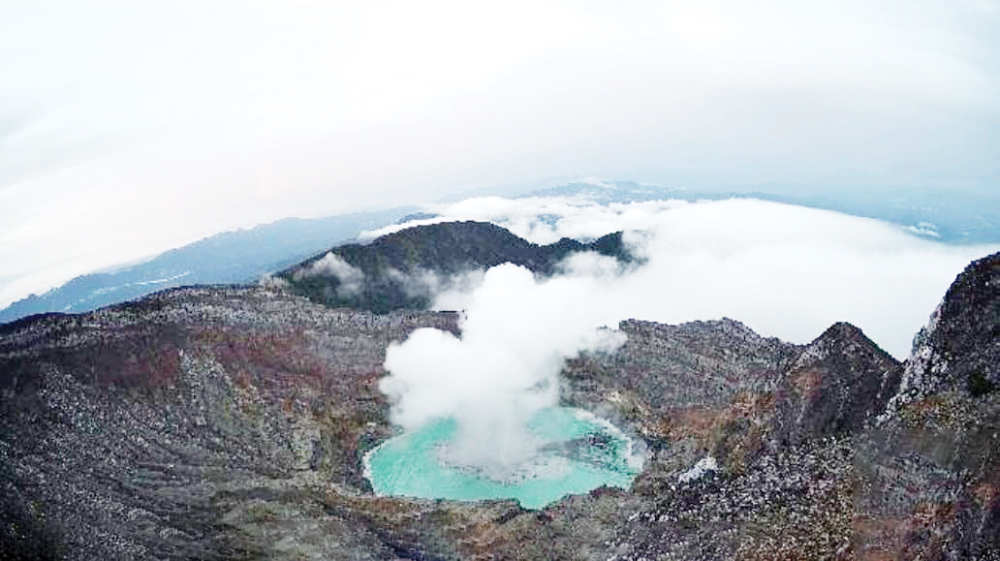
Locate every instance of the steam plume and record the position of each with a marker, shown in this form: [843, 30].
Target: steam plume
[786, 271]
[516, 333]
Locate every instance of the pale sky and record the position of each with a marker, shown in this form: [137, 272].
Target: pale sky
[127, 128]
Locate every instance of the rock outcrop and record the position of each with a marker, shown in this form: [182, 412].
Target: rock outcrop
[836, 387]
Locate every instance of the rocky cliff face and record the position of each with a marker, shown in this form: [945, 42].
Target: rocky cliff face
[835, 387]
[228, 423]
[935, 455]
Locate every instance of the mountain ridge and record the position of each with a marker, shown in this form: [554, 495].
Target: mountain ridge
[391, 271]
[229, 257]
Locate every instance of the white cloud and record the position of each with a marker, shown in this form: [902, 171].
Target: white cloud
[352, 279]
[786, 271]
[449, 292]
[169, 121]
[533, 218]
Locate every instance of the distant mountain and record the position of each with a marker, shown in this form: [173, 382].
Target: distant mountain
[400, 270]
[607, 192]
[932, 214]
[246, 255]
[229, 258]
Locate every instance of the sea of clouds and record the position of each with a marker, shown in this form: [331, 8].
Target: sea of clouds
[785, 271]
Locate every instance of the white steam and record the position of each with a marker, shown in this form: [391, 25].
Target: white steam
[786, 271]
[516, 334]
[352, 279]
[447, 292]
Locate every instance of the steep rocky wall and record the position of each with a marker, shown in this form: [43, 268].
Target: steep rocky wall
[133, 432]
[935, 456]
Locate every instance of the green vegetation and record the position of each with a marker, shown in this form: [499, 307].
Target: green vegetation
[400, 269]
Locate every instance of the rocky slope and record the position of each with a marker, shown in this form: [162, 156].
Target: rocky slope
[936, 451]
[229, 423]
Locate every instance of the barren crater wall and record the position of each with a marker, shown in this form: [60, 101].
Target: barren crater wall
[130, 431]
[229, 423]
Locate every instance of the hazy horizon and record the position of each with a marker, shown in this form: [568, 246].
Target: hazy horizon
[128, 129]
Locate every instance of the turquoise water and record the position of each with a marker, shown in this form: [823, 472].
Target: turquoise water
[577, 452]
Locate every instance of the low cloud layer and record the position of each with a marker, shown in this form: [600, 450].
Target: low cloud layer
[784, 270]
[129, 128]
[352, 279]
[448, 292]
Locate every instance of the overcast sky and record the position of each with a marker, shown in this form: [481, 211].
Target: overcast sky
[127, 128]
